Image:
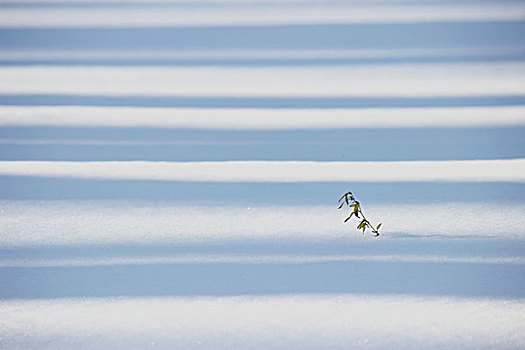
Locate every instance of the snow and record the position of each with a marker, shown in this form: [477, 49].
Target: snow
[265, 14]
[395, 80]
[95, 222]
[292, 322]
[500, 170]
[170, 171]
[256, 259]
[241, 54]
[257, 119]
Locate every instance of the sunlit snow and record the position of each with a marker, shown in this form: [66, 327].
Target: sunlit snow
[170, 170]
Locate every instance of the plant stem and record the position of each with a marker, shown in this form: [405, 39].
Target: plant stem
[349, 197]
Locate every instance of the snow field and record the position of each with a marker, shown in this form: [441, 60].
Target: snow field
[254, 259]
[260, 13]
[261, 322]
[395, 80]
[119, 222]
[500, 170]
[245, 54]
[261, 119]
[178, 262]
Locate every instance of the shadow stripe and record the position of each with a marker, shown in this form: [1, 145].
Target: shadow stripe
[257, 102]
[312, 193]
[415, 35]
[453, 279]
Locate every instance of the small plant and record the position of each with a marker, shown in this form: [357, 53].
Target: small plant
[349, 199]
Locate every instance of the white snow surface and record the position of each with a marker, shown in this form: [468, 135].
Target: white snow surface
[243, 54]
[256, 259]
[499, 170]
[261, 119]
[262, 322]
[191, 265]
[27, 223]
[267, 14]
[394, 80]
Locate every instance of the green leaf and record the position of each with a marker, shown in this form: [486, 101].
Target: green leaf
[356, 210]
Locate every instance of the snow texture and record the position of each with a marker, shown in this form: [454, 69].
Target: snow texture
[396, 80]
[169, 174]
[292, 322]
[244, 55]
[270, 14]
[257, 119]
[508, 170]
[121, 222]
